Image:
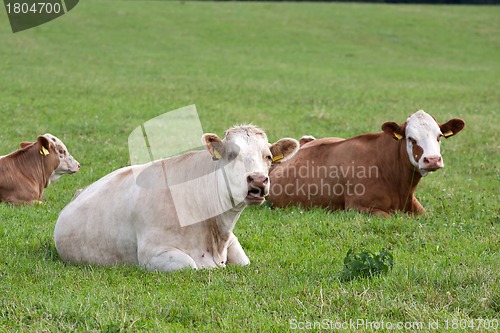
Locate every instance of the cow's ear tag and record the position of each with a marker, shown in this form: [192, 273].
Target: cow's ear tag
[448, 133]
[398, 136]
[277, 158]
[217, 155]
[44, 151]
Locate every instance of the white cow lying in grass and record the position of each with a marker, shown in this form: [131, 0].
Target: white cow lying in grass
[173, 213]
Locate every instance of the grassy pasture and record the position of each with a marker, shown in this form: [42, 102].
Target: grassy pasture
[95, 74]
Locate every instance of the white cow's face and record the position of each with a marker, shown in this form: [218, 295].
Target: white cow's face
[245, 157]
[67, 163]
[423, 139]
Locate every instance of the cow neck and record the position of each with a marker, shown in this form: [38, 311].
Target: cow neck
[227, 219]
[410, 176]
[406, 176]
[223, 224]
[32, 167]
[221, 230]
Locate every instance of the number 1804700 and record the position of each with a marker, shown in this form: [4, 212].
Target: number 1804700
[33, 8]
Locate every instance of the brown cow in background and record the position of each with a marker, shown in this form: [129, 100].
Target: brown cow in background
[25, 173]
[375, 173]
[67, 163]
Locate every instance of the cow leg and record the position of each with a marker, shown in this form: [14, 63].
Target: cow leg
[169, 261]
[367, 210]
[235, 254]
[379, 212]
[416, 207]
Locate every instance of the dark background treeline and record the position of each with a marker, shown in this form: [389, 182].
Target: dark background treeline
[435, 2]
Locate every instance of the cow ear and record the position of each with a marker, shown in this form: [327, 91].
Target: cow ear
[284, 149]
[25, 144]
[394, 130]
[306, 139]
[44, 145]
[452, 127]
[213, 144]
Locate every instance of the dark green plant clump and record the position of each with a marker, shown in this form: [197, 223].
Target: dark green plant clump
[366, 264]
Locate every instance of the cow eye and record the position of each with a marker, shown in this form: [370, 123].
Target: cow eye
[439, 137]
[232, 156]
[269, 158]
[412, 140]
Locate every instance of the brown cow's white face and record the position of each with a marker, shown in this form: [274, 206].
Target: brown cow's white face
[423, 139]
[67, 163]
[246, 157]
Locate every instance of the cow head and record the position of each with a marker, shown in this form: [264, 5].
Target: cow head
[45, 151]
[245, 157]
[423, 138]
[67, 163]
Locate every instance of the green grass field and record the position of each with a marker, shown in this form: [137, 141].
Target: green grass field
[95, 74]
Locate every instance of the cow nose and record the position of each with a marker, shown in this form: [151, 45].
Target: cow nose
[258, 180]
[78, 166]
[433, 162]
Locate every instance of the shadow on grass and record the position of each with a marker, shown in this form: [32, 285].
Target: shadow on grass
[44, 249]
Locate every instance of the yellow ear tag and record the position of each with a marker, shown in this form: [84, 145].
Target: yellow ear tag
[277, 157]
[44, 151]
[217, 154]
[448, 133]
[398, 136]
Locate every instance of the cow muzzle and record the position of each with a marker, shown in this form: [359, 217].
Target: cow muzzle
[258, 188]
[432, 163]
[75, 168]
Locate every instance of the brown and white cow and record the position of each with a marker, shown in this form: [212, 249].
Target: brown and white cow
[67, 163]
[173, 213]
[25, 173]
[376, 173]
